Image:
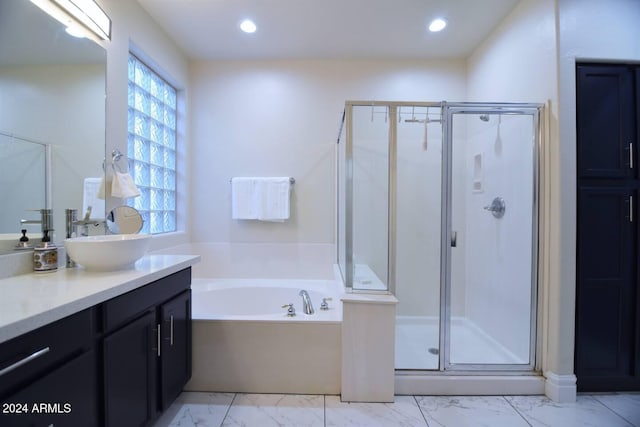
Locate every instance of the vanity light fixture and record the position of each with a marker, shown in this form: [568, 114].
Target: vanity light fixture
[83, 14]
[75, 31]
[437, 24]
[248, 26]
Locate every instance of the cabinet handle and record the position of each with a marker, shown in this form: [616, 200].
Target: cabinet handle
[158, 339]
[171, 333]
[26, 360]
[630, 208]
[631, 155]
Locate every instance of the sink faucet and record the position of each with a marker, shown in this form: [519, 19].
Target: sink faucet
[71, 225]
[307, 307]
[46, 220]
[72, 222]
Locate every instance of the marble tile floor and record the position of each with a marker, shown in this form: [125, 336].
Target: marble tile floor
[265, 410]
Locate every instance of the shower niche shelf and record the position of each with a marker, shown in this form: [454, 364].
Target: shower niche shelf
[477, 174]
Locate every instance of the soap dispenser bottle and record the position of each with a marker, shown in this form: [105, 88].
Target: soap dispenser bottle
[45, 256]
[23, 243]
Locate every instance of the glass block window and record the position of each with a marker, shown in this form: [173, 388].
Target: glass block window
[152, 147]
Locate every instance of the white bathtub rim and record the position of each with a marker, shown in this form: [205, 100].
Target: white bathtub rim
[327, 288]
[225, 282]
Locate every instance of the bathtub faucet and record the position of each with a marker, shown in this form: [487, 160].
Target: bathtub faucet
[306, 302]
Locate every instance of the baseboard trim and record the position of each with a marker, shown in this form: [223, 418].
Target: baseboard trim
[560, 388]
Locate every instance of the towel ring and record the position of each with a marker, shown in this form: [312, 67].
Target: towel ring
[116, 156]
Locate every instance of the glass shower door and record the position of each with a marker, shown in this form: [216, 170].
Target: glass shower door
[492, 243]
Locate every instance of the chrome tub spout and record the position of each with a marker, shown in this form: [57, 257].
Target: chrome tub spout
[307, 307]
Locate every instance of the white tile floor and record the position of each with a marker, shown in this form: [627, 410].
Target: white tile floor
[264, 410]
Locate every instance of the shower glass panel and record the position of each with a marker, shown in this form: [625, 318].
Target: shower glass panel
[369, 127]
[418, 236]
[491, 298]
[342, 198]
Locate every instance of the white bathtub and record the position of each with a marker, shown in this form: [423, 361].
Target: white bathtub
[262, 299]
[243, 341]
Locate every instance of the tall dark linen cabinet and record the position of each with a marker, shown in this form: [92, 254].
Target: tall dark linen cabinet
[607, 353]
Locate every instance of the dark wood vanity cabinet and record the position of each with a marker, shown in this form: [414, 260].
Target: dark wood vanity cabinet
[49, 376]
[130, 373]
[175, 354]
[120, 363]
[67, 397]
[147, 350]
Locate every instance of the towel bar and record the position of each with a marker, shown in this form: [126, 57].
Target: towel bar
[292, 180]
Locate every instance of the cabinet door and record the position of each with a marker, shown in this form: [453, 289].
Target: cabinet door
[605, 121]
[67, 396]
[130, 373]
[175, 356]
[606, 289]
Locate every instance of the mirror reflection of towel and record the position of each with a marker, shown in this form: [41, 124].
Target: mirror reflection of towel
[123, 186]
[91, 197]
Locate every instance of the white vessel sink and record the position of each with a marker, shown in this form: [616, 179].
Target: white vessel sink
[108, 252]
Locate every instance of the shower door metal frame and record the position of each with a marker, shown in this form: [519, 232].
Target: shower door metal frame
[392, 116]
[449, 109]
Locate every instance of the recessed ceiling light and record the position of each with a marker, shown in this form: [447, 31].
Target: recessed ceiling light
[437, 24]
[248, 26]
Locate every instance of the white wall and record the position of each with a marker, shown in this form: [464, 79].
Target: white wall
[589, 30]
[282, 118]
[133, 28]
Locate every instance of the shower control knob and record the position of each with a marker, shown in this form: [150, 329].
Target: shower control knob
[497, 207]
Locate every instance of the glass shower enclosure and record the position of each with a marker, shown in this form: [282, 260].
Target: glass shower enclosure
[438, 204]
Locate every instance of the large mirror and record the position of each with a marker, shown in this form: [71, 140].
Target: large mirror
[52, 97]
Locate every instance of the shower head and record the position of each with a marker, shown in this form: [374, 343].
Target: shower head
[484, 117]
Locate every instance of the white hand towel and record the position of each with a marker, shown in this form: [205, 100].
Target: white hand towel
[102, 193]
[243, 198]
[91, 197]
[264, 199]
[123, 186]
[274, 199]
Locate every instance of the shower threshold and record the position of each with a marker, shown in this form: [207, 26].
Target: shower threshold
[417, 344]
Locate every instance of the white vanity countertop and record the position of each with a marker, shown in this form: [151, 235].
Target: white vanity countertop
[30, 301]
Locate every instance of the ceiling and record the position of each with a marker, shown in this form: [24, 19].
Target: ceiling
[291, 29]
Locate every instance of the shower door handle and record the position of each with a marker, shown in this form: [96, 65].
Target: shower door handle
[454, 239]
